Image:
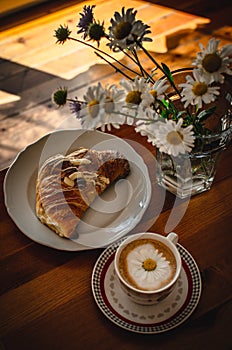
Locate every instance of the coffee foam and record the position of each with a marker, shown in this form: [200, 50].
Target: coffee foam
[131, 264]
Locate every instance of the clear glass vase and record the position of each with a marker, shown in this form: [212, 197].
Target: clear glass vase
[192, 173]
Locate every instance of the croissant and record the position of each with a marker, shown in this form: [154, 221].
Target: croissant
[67, 185]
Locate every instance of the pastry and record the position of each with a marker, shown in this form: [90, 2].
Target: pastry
[67, 185]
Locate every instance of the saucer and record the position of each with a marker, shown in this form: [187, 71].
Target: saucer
[168, 314]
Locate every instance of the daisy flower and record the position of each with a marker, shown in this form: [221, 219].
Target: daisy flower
[197, 90]
[147, 124]
[213, 62]
[156, 92]
[125, 30]
[172, 139]
[143, 101]
[86, 19]
[147, 116]
[114, 101]
[75, 107]
[87, 24]
[150, 131]
[158, 89]
[136, 96]
[148, 268]
[92, 116]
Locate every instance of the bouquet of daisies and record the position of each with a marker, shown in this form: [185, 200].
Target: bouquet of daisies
[142, 100]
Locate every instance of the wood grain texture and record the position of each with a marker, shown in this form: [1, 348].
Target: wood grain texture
[32, 43]
[45, 290]
[46, 300]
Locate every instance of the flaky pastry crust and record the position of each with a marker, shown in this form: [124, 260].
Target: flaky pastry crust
[67, 185]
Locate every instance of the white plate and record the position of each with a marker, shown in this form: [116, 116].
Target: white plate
[152, 319]
[112, 215]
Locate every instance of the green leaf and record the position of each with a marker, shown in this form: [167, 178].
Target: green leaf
[180, 114]
[206, 113]
[165, 103]
[164, 113]
[167, 72]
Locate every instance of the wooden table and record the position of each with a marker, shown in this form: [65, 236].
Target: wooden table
[46, 300]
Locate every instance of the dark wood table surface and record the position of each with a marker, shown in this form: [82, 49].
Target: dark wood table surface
[46, 300]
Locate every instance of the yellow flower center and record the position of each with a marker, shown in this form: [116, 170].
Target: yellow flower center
[211, 62]
[154, 93]
[149, 264]
[199, 88]
[93, 108]
[134, 97]
[174, 137]
[122, 30]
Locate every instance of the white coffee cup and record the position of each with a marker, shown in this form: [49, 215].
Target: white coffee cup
[133, 284]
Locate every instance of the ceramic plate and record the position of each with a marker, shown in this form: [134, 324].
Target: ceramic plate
[168, 314]
[111, 216]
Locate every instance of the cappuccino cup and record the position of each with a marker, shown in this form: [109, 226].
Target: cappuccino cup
[148, 266]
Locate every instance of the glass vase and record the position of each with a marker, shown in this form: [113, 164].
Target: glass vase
[192, 173]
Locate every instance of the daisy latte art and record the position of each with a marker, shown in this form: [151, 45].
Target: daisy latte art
[148, 266]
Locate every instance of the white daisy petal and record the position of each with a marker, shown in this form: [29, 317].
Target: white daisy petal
[136, 92]
[147, 279]
[157, 91]
[92, 116]
[113, 103]
[226, 51]
[125, 30]
[212, 62]
[198, 90]
[173, 139]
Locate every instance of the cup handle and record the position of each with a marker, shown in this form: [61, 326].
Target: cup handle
[173, 237]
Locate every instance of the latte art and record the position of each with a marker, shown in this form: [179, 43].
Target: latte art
[147, 264]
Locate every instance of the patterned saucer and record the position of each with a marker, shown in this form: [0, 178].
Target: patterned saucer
[168, 314]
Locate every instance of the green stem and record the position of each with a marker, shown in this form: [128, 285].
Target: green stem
[162, 70]
[105, 53]
[112, 65]
[129, 56]
[151, 57]
[160, 67]
[138, 62]
[130, 116]
[79, 101]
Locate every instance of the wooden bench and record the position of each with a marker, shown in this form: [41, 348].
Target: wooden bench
[32, 44]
